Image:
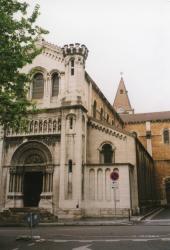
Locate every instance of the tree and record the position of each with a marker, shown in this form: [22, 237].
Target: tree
[18, 37]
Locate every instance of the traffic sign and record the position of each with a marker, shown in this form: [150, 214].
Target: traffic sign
[114, 175]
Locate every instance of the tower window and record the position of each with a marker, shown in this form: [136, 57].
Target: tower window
[38, 86]
[72, 63]
[71, 122]
[72, 67]
[55, 84]
[70, 164]
[121, 91]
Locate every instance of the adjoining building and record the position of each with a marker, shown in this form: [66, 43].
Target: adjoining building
[63, 161]
[153, 131]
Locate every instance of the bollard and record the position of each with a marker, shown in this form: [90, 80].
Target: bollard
[129, 214]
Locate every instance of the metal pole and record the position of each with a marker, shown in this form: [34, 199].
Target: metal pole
[114, 189]
[129, 214]
[31, 225]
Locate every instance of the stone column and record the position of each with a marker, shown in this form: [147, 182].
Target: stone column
[47, 90]
[78, 161]
[62, 161]
[62, 85]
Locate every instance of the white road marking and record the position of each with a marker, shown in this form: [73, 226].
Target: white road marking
[40, 240]
[112, 240]
[140, 240]
[82, 241]
[83, 248]
[15, 249]
[165, 239]
[60, 241]
[31, 244]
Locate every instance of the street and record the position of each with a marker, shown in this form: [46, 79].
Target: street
[144, 235]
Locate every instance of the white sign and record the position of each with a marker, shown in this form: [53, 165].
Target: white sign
[114, 184]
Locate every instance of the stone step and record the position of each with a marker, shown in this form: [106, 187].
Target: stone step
[18, 215]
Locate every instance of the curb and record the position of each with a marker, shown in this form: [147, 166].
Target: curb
[150, 213]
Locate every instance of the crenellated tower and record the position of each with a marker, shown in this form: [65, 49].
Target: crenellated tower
[73, 130]
[75, 56]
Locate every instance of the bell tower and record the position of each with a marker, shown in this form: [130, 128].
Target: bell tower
[122, 103]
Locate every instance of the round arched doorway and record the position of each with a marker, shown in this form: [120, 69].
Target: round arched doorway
[31, 161]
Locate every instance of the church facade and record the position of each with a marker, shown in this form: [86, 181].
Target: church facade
[64, 161]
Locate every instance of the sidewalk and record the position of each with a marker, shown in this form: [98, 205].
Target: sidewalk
[89, 221]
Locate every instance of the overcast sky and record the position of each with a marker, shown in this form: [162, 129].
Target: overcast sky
[130, 36]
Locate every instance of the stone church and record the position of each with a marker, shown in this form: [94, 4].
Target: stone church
[64, 161]
[153, 131]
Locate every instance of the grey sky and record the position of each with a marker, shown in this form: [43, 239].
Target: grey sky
[132, 36]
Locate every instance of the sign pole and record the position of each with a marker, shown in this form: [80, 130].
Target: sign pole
[31, 225]
[114, 192]
[114, 176]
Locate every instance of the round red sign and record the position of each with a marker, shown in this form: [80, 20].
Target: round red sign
[114, 175]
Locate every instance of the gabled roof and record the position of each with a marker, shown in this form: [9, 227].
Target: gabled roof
[143, 117]
[122, 103]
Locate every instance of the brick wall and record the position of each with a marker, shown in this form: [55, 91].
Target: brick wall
[160, 151]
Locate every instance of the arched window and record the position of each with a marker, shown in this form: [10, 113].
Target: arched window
[70, 164]
[166, 136]
[101, 114]
[38, 86]
[71, 122]
[55, 84]
[94, 109]
[107, 118]
[107, 154]
[72, 66]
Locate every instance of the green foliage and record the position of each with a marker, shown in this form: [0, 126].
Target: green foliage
[18, 37]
